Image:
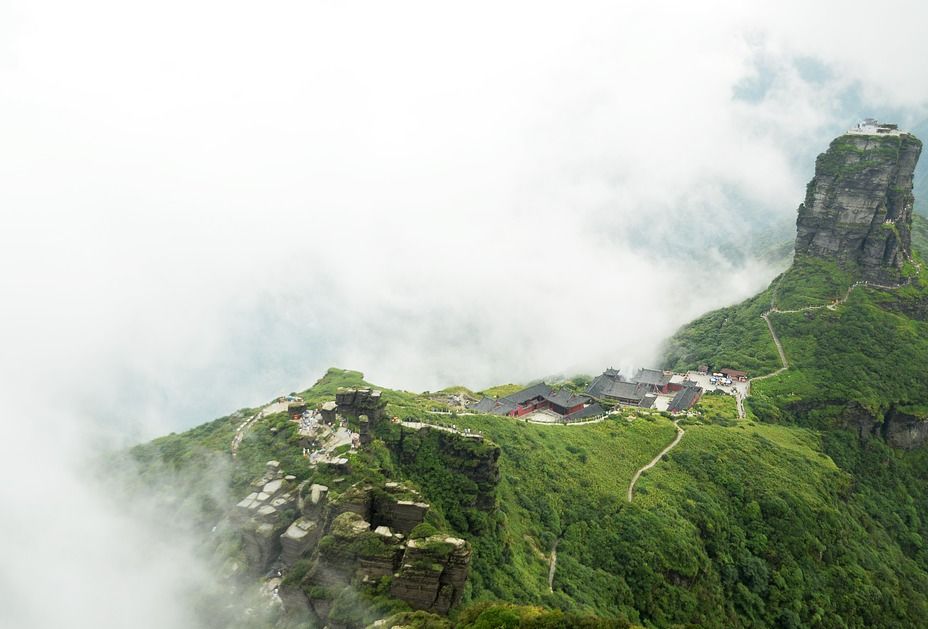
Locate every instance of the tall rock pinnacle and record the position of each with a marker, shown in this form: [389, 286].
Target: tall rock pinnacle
[858, 207]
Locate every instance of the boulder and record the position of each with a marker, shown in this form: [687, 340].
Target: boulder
[312, 499]
[328, 412]
[433, 573]
[357, 402]
[299, 539]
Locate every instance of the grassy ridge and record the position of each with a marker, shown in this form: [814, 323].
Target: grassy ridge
[811, 282]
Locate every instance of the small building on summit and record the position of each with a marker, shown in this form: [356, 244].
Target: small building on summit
[872, 126]
[296, 410]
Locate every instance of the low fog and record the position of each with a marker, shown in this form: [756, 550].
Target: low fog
[206, 205]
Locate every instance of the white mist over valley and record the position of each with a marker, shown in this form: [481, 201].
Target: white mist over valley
[206, 205]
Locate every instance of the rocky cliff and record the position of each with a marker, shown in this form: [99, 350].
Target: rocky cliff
[901, 426]
[339, 553]
[469, 463]
[906, 427]
[264, 515]
[858, 207]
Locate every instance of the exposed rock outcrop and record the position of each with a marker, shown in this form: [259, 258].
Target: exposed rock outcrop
[398, 507]
[473, 456]
[333, 549]
[427, 573]
[858, 207]
[393, 505]
[328, 412]
[433, 573]
[903, 427]
[906, 428]
[264, 515]
[299, 537]
[304, 533]
[356, 402]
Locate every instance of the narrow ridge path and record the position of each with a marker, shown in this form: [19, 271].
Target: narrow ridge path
[673, 444]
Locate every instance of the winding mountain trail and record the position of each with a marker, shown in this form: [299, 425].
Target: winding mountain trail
[552, 565]
[273, 407]
[832, 306]
[240, 433]
[673, 444]
[780, 351]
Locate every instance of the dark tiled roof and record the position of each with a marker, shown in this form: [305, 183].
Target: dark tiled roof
[485, 405]
[684, 399]
[602, 384]
[651, 376]
[633, 391]
[523, 396]
[647, 401]
[493, 407]
[599, 385]
[590, 411]
[566, 398]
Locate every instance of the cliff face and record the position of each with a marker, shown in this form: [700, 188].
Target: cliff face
[362, 540]
[905, 428]
[468, 463]
[858, 207]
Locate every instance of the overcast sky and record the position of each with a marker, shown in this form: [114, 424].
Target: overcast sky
[206, 204]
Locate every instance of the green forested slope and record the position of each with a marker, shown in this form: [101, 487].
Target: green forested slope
[744, 524]
[783, 519]
[850, 366]
[729, 337]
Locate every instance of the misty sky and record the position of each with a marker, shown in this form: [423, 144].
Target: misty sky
[206, 204]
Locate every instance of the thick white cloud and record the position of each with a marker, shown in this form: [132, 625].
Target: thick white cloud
[206, 204]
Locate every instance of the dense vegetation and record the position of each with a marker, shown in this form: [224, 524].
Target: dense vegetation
[845, 156]
[849, 365]
[744, 524]
[729, 337]
[780, 519]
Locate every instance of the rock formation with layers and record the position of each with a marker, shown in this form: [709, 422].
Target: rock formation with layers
[858, 206]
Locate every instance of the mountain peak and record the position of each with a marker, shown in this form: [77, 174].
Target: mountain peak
[858, 206]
